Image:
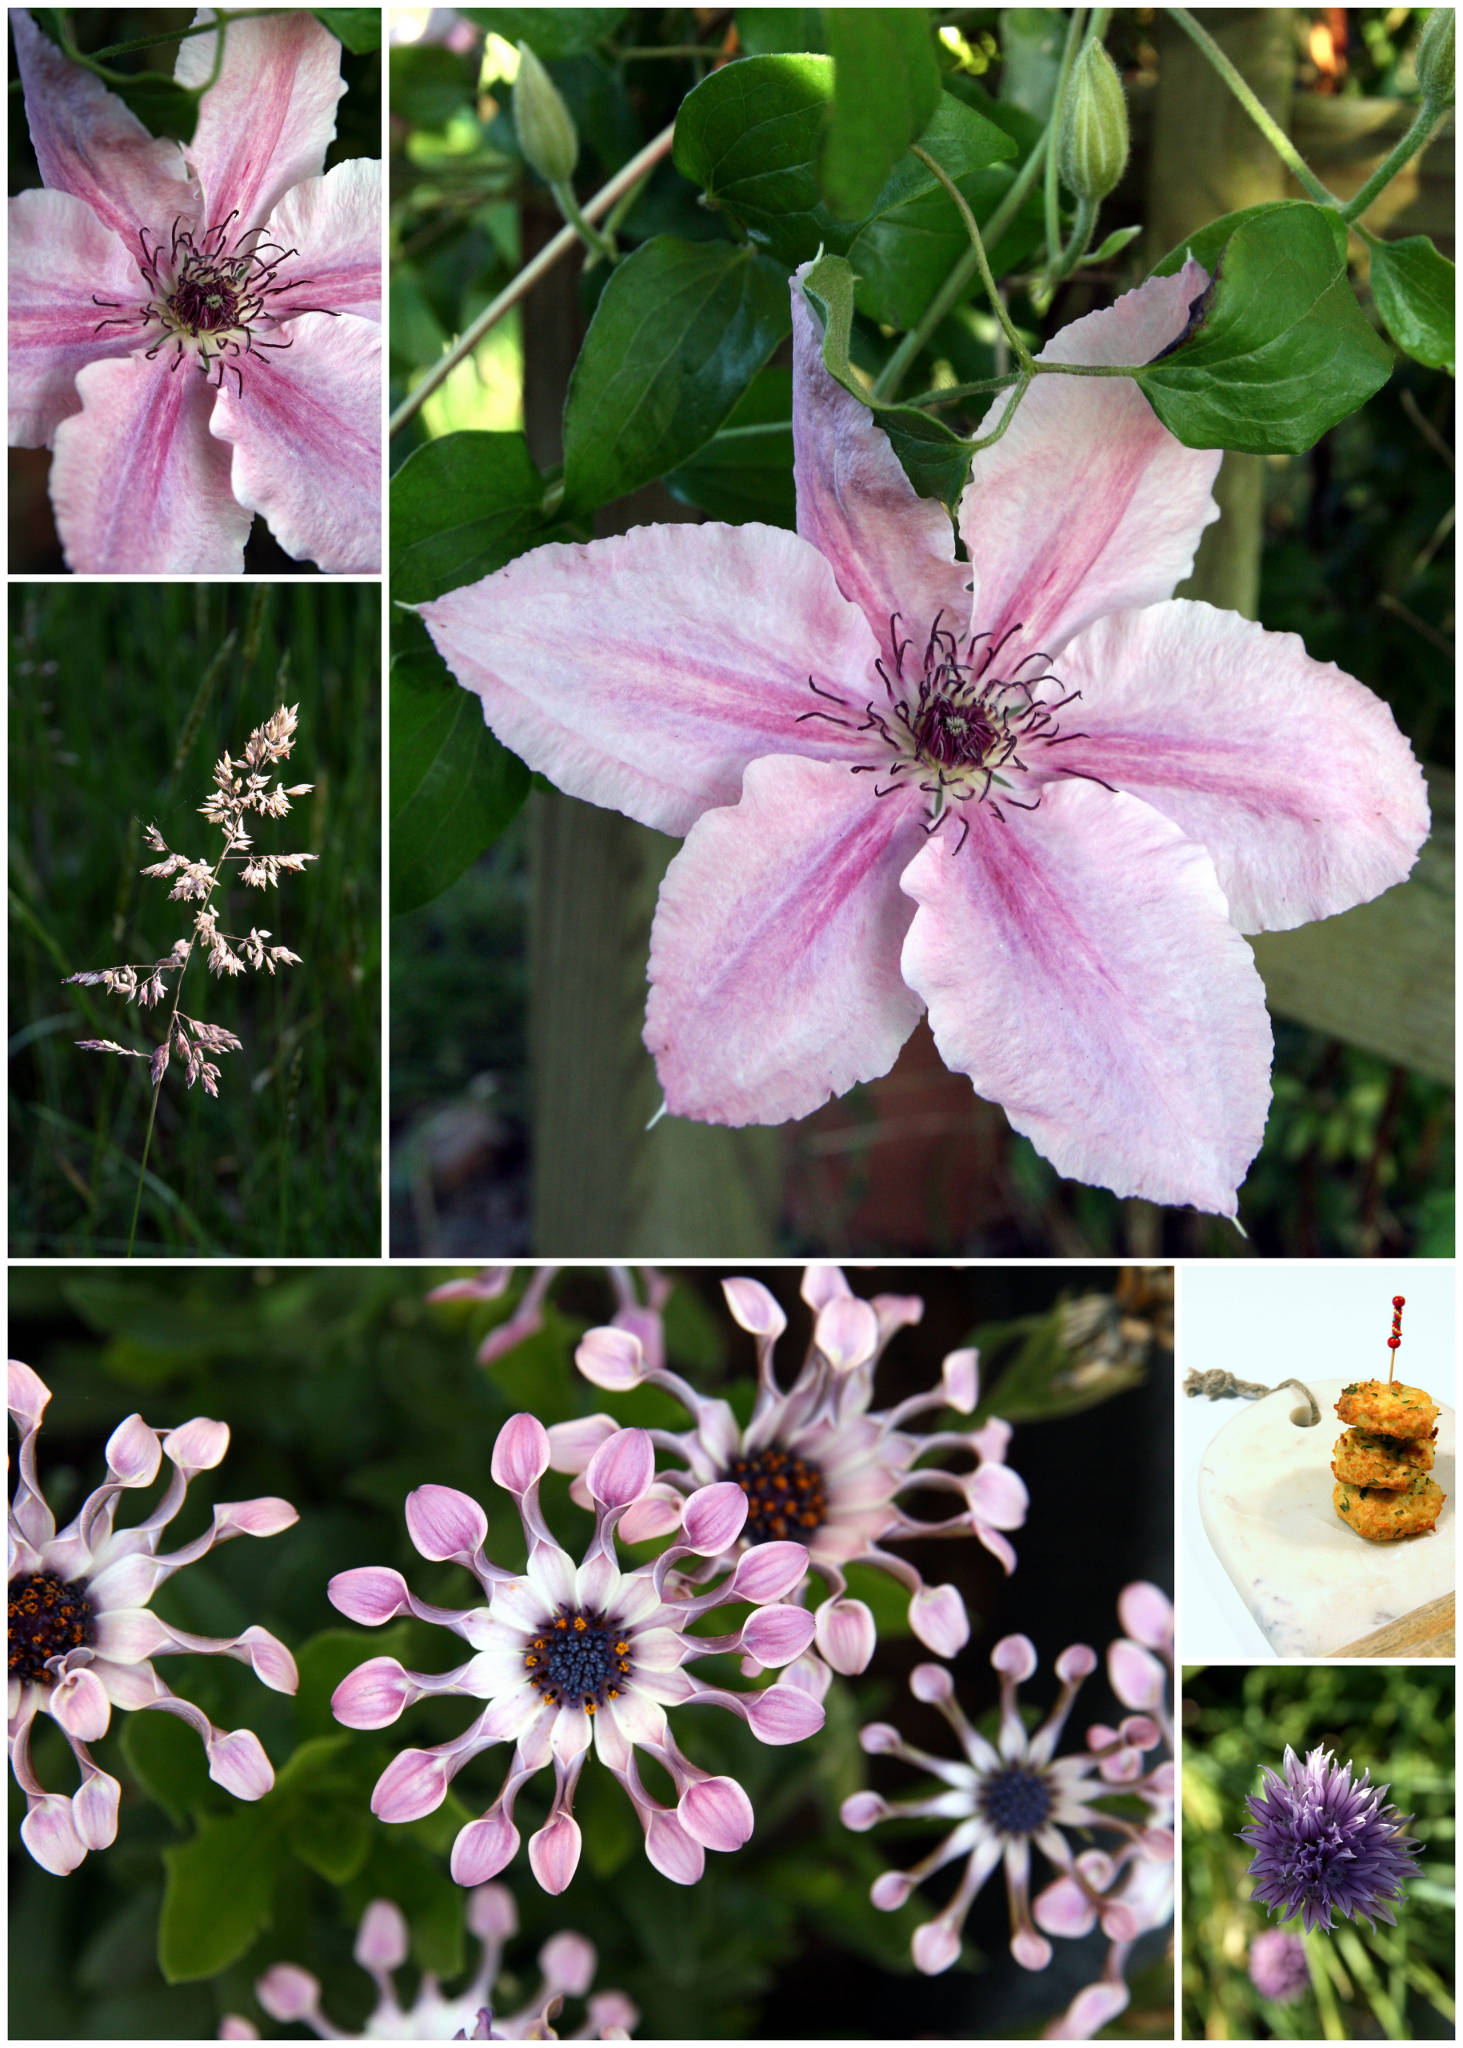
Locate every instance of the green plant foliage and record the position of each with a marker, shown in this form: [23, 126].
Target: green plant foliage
[680, 329]
[1415, 289]
[454, 788]
[886, 84]
[359, 28]
[460, 507]
[550, 32]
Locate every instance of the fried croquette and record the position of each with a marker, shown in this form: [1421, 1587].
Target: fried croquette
[1382, 1515]
[1366, 1459]
[1388, 1408]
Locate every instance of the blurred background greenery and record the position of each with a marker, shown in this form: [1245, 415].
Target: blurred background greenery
[34, 548]
[122, 697]
[1367, 1983]
[344, 1390]
[1349, 544]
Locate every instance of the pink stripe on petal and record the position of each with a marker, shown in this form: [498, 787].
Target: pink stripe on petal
[306, 439]
[1146, 1614]
[49, 1833]
[774, 955]
[645, 671]
[621, 1468]
[369, 1593]
[382, 1941]
[754, 1307]
[717, 1813]
[412, 1785]
[847, 1332]
[960, 1380]
[197, 1446]
[134, 1452]
[672, 1851]
[775, 1635]
[88, 142]
[1087, 504]
[80, 1704]
[769, 1571]
[783, 1714]
[714, 1517]
[1135, 1674]
[129, 1635]
[1116, 1014]
[553, 1853]
[890, 549]
[521, 1453]
[373, 1695]
[483, 1848]
[998, 1495]
[1290, 773]
[137, 481]
[266, 1516]
[94, 1810]
[568, 1962]
[238, 1763]
[266, 120]
[935, 1946]
[444, 1523]
[611, 1359]
[26, 1394]
[937, 1616]
[846, 1635]
[573, 1444]
[335, 224]
[60, 254]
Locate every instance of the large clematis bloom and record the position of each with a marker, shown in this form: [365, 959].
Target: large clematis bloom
[195, 331]
[82, 1635]
[893, 800]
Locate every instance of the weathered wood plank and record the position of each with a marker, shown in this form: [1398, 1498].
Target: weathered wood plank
[1428, 1631]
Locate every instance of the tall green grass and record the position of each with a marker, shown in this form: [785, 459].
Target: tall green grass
[122, 698]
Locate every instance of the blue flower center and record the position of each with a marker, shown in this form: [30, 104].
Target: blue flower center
[48, 1617]
[1016, 1800]
[578, 1660]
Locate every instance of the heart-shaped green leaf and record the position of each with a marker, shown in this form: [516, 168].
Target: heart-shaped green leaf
[1414, 286]
[453, 786]
[886, 85]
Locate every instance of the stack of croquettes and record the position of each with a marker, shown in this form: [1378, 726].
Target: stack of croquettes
[1383, 1460]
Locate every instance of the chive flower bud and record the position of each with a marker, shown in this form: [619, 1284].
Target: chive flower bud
[545, 128]
[1092, 142]
[1435, 58]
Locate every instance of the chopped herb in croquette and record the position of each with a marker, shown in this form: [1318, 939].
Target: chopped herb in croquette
[1382, 1516]
[1388, 1408]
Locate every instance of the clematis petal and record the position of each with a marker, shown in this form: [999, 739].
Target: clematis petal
[645, 671]
[1291, 773]
[60, 255]
[1114, 1012]
[335, 222]
[138, 483]
[891, 550]
[306, 439]
[1087, 504]
[266, 120]
[774, 956]
[90, 144]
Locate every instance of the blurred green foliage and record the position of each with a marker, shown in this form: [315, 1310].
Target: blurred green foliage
[123, 697]
[343, 1390]
[1397, 1721]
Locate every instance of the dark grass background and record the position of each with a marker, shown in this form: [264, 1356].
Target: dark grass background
[343, 1391]
[34, 547]
[122, 698]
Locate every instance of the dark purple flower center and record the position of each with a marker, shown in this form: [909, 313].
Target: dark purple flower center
[578, 1660]
[210, 297]
[956, 720]
[48, 1617]
[1015, 1800]
[785, 1498]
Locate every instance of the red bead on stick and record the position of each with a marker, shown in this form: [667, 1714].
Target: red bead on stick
[1393, 1342]
[1399, 1301]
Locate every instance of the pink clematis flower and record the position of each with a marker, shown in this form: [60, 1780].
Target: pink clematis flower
[82, 1636]
[893, 801]
[567, 1657]
[195, 331]
[818, 1463]
[568, 1962]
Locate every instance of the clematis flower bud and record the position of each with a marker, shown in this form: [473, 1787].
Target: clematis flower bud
[1435, 58]
[1092, 140]
[545, 128]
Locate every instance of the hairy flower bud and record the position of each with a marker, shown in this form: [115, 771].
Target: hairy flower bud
[546, 132]
[1435, 58]
[1093, 137]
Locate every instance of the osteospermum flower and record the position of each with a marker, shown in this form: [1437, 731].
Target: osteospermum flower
[195, 331]
[1324, 1844]
[81, 1634]
[817, 1463]
[291, 1995]
[490, 1283]
[892, 801]
[1010, 1797]
[1278, 1967]
[567, 1658]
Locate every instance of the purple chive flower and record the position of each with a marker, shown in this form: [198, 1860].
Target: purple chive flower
[818, 1463]
[1323, 1844]
[291, 1995]
[1015, 1795]
[1278, 1965]
[81, 1636]
[568, 1656]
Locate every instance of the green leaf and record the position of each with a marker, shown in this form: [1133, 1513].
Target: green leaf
[454, 788]
[1031, 57]
[1113, 244]
[936, 461]
[886, 84]
[462, 506]
[1413, 286]
[746, 471]
[750, 136]
[679, 331]
[550, 31]
[1277, 350]
[430, 84]
[162, 105]
[1206, 244]
[763, 31]
[359, 28]
[325, 1660]
[914, 236]
[218, 1895]
[168, 1761]
[332, 1837]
